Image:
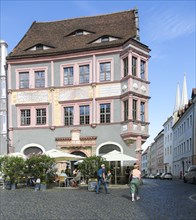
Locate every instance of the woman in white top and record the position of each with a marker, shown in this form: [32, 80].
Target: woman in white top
[135, 182]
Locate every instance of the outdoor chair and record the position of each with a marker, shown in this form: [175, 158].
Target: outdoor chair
[61, 180]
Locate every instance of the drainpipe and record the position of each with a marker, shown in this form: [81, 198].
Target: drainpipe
[7, 121]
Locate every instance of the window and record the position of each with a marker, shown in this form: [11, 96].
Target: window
[84, 74]
[105, 71]
[39, 47]
[105, 39]
[105, 113]
[126, 103]
[142, 69]
[25, 116]
[41, 116]
[84, 114]
[68, 115]
[23, 80]
[79, 33]
[134, 113]
[39, 79]
[125, 64]
[191, 121]
[68, 76]
[134, 66]
[142, 111]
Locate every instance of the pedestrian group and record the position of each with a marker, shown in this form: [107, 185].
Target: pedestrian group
[133, 178]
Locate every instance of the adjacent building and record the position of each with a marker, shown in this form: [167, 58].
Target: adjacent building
[80, 85]
[183, 132]
[159, 140]
[168, 145]
[3, 98]
[174, 148]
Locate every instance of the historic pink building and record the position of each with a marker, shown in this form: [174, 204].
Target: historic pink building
[80, 85]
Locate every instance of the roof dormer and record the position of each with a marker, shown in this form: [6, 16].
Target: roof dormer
[80, 32]
[39, 47]
[105, 38]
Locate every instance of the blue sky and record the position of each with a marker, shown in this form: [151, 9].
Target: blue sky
[167, 27]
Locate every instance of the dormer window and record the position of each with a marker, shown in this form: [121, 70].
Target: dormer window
[105, 38]
[79, 33]
[39, 47]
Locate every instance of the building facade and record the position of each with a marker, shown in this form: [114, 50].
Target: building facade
[183, 148]
[152, 160]
[3, 99]
[80, 85]
[168, 145]
[144, 167]
[159, 140]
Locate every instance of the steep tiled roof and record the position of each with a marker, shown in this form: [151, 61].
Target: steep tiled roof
[58, 35]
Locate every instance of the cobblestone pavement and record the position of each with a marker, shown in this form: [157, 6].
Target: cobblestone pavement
[160, 200]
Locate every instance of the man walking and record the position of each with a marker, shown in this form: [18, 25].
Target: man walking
[101, 179]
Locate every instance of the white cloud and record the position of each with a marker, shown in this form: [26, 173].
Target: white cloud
[168, 25]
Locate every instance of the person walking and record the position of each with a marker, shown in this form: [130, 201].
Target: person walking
[101, 179]
[135, 182]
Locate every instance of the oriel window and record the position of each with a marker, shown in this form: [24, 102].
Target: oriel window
[142, 69]
[126, 109]
[134, 109]
[125, 66]
[134, 66]
[142, 111]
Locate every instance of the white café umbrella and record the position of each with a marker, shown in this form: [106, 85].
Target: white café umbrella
[118, 156]
[62, 156]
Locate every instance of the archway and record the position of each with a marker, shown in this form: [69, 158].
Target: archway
[107, 147]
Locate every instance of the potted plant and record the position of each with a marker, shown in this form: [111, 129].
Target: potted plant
[41, 166]
[90, 166]
[13, 169]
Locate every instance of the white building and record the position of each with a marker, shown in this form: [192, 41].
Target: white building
[159, 140]
[3, 98]
[144, 167]
[183, 135]
[168, 145]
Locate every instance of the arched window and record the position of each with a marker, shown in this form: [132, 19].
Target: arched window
[107, 148]
[32, 150]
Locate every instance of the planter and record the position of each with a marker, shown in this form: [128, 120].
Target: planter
[37, 187]
[7, 185]
[13, 186]
[92, 186]
[43, 186]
